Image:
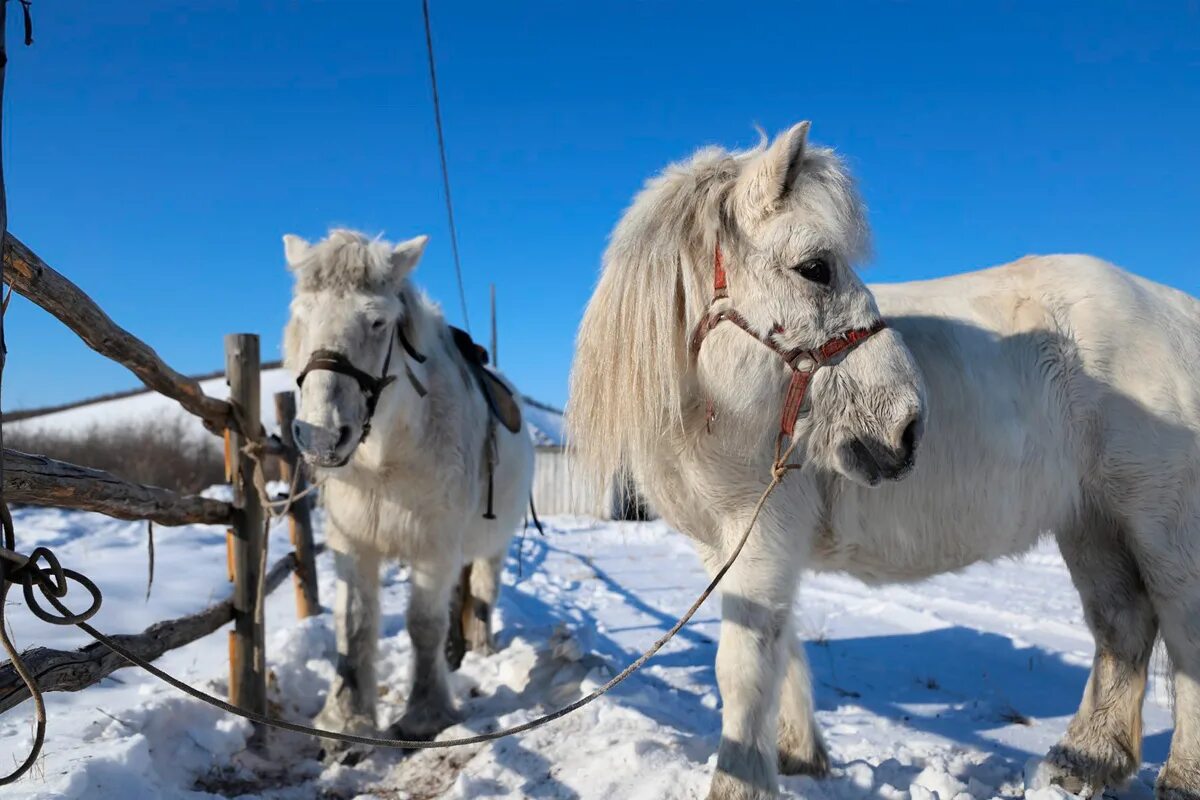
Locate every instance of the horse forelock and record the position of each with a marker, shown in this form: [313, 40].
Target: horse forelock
[346, 261]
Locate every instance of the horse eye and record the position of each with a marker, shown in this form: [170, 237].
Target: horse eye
[377, 325]
[816, 270]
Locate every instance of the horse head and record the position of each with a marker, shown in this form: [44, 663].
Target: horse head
[771, 238]
[351, 333]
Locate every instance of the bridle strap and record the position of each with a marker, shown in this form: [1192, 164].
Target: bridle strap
[802, 362]
[720, 279]
[372, 386]
[333, 361]
[413, 353]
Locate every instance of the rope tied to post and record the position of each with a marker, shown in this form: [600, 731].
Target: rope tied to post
[255, 450]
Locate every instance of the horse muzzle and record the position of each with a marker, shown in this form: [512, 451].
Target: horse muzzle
[326, 447]
[872, 461]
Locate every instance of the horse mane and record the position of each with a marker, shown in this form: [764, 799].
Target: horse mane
[629, 381]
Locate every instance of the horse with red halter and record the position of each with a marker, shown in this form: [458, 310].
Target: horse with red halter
[935, 424]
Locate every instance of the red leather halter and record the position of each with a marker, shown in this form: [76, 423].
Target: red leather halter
[803, 362]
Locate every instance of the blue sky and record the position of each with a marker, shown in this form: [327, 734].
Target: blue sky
[157, 151]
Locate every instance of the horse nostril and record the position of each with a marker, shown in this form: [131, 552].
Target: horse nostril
[344, 433]
[908, 440]
[298, 434]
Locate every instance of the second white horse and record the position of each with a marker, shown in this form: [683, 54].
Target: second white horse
[394, 416]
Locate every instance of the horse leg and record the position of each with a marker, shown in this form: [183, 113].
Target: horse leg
[802, 749]
[1103, 744]
[1180, 620]
[430, 709]
[752, 657]
[477, 615]
[460, 601]
[1175, 588]
[350, 705]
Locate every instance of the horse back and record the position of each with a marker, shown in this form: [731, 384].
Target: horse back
[1051, 382]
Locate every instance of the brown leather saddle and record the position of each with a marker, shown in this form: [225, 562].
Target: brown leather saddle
[500, 399]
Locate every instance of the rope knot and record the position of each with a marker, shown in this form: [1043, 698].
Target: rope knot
[42, 573]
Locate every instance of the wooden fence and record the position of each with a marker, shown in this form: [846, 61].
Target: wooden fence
[37, 480]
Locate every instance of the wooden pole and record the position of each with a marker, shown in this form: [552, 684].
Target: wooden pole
[3, 221]
[495, 343]
[247, 656]
[308, 603]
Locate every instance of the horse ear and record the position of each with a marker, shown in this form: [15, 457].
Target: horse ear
[778, 166]
[295, 249]
[406, 255]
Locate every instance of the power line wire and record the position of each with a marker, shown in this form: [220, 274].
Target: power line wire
[437, 117]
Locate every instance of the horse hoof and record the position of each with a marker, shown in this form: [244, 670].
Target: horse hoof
[1082, 771]
[816, 766]
[726, 787]
[422, 725]
[1165, 792]
[1177, 784]
[803, 755]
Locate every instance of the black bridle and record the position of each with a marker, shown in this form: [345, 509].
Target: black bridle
[371, 386]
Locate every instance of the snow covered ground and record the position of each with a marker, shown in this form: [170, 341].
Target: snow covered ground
[944, 689]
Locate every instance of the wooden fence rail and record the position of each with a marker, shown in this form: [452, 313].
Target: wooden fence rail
[73, 670]
[42, 481]
[38, 480]
[39, 282]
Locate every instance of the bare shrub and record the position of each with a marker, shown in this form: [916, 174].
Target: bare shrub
[166, 453]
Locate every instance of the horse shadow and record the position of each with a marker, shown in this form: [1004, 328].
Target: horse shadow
[955, 683]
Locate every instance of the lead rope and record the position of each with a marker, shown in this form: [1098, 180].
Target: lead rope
[50, 588]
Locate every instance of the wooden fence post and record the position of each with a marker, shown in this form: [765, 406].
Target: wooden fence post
[247, 655]
[308, 603]
[3, 221]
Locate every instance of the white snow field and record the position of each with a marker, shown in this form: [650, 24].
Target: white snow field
[946, 689]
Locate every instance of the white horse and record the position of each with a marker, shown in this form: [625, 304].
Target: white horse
[375, 357]
[1054, 394]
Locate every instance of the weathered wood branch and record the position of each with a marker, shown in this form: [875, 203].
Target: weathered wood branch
[36, 280]
[42, 481]
[73, 670]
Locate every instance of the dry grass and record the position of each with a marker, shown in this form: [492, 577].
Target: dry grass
[166, 454]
